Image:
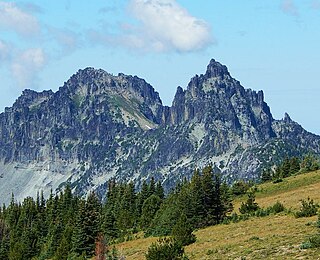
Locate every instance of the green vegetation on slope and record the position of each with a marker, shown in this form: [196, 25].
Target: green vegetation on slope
[198, 214]
[279, 236]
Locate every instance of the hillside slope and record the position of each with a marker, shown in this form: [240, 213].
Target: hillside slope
[272, 237]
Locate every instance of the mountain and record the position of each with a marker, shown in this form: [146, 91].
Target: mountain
[99, 126]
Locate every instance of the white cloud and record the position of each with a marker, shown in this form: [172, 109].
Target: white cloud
[289, 7]
[14, 18]
[26, 66]
[165, 25]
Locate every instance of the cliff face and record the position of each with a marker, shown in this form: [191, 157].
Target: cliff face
[98, 126]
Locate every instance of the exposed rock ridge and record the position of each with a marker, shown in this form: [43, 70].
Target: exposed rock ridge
[98, 126]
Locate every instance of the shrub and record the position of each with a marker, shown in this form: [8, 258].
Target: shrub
[308, 209]
[250, 206]
[262, 212]
[315, 241]
[278, 180]
[277, 207]
[240, 187]
[166, 249]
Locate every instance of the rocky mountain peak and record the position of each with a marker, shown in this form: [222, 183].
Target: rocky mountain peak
[216, 69]
[31, 97]
[99, 126]
[287, 118]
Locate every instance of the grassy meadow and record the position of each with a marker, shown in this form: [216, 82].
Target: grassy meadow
[271, 237]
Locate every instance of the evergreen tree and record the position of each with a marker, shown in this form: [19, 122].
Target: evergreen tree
[4, 239]
[152, 187]
[250, 206]
[182, 231]
[294, 165]
[109, 226]
[87, 226]
[64, 247]
[195, 208]
[309, 163]
[210, 195]
[220, 203]
[266, 175]
[285, 168]
[159, 191]
[142, 196]
[79, 237]
[149, 209]
[240, 187]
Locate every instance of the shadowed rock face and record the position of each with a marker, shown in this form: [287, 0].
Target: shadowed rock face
[98, 126]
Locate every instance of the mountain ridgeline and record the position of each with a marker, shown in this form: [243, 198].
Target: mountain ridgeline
[99, 126]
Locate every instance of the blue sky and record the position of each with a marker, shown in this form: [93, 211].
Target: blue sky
[270, 45]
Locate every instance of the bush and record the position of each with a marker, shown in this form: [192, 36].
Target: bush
[262, 212]
[166, 249]
[240, 187]
[315, 241]
[277, 180]
[277, 207]
[312, 242]
[308, 209]
[250, 206]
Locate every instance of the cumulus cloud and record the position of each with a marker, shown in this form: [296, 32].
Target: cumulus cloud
[26, 66]
[14, 18]
[165, 25]
[157, 25]
[289, 7]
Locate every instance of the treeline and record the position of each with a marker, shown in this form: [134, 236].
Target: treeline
[289, 167]
[65, 226]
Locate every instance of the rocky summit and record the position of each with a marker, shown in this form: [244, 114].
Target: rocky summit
[99, 126]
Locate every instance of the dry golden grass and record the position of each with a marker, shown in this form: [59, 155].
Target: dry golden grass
[272, 237]
[289, 192]
[135, 249]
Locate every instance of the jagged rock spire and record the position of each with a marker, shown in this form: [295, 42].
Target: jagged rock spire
[216, 69]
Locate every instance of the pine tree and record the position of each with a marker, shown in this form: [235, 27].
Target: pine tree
[250, 206]
[285, 168]
[195, 208]
[266, 175]
[149, 209]
[142, 196]
[92, 222]
[159, 190]
[79, 236]
[294, 165]
[4, 239]
[182, 231]
[109, 226]
[219, 207]
[152, 187]
[64, 247]
[211, 195]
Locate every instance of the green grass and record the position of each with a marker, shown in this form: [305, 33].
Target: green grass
[288, 184]
[273, 237]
